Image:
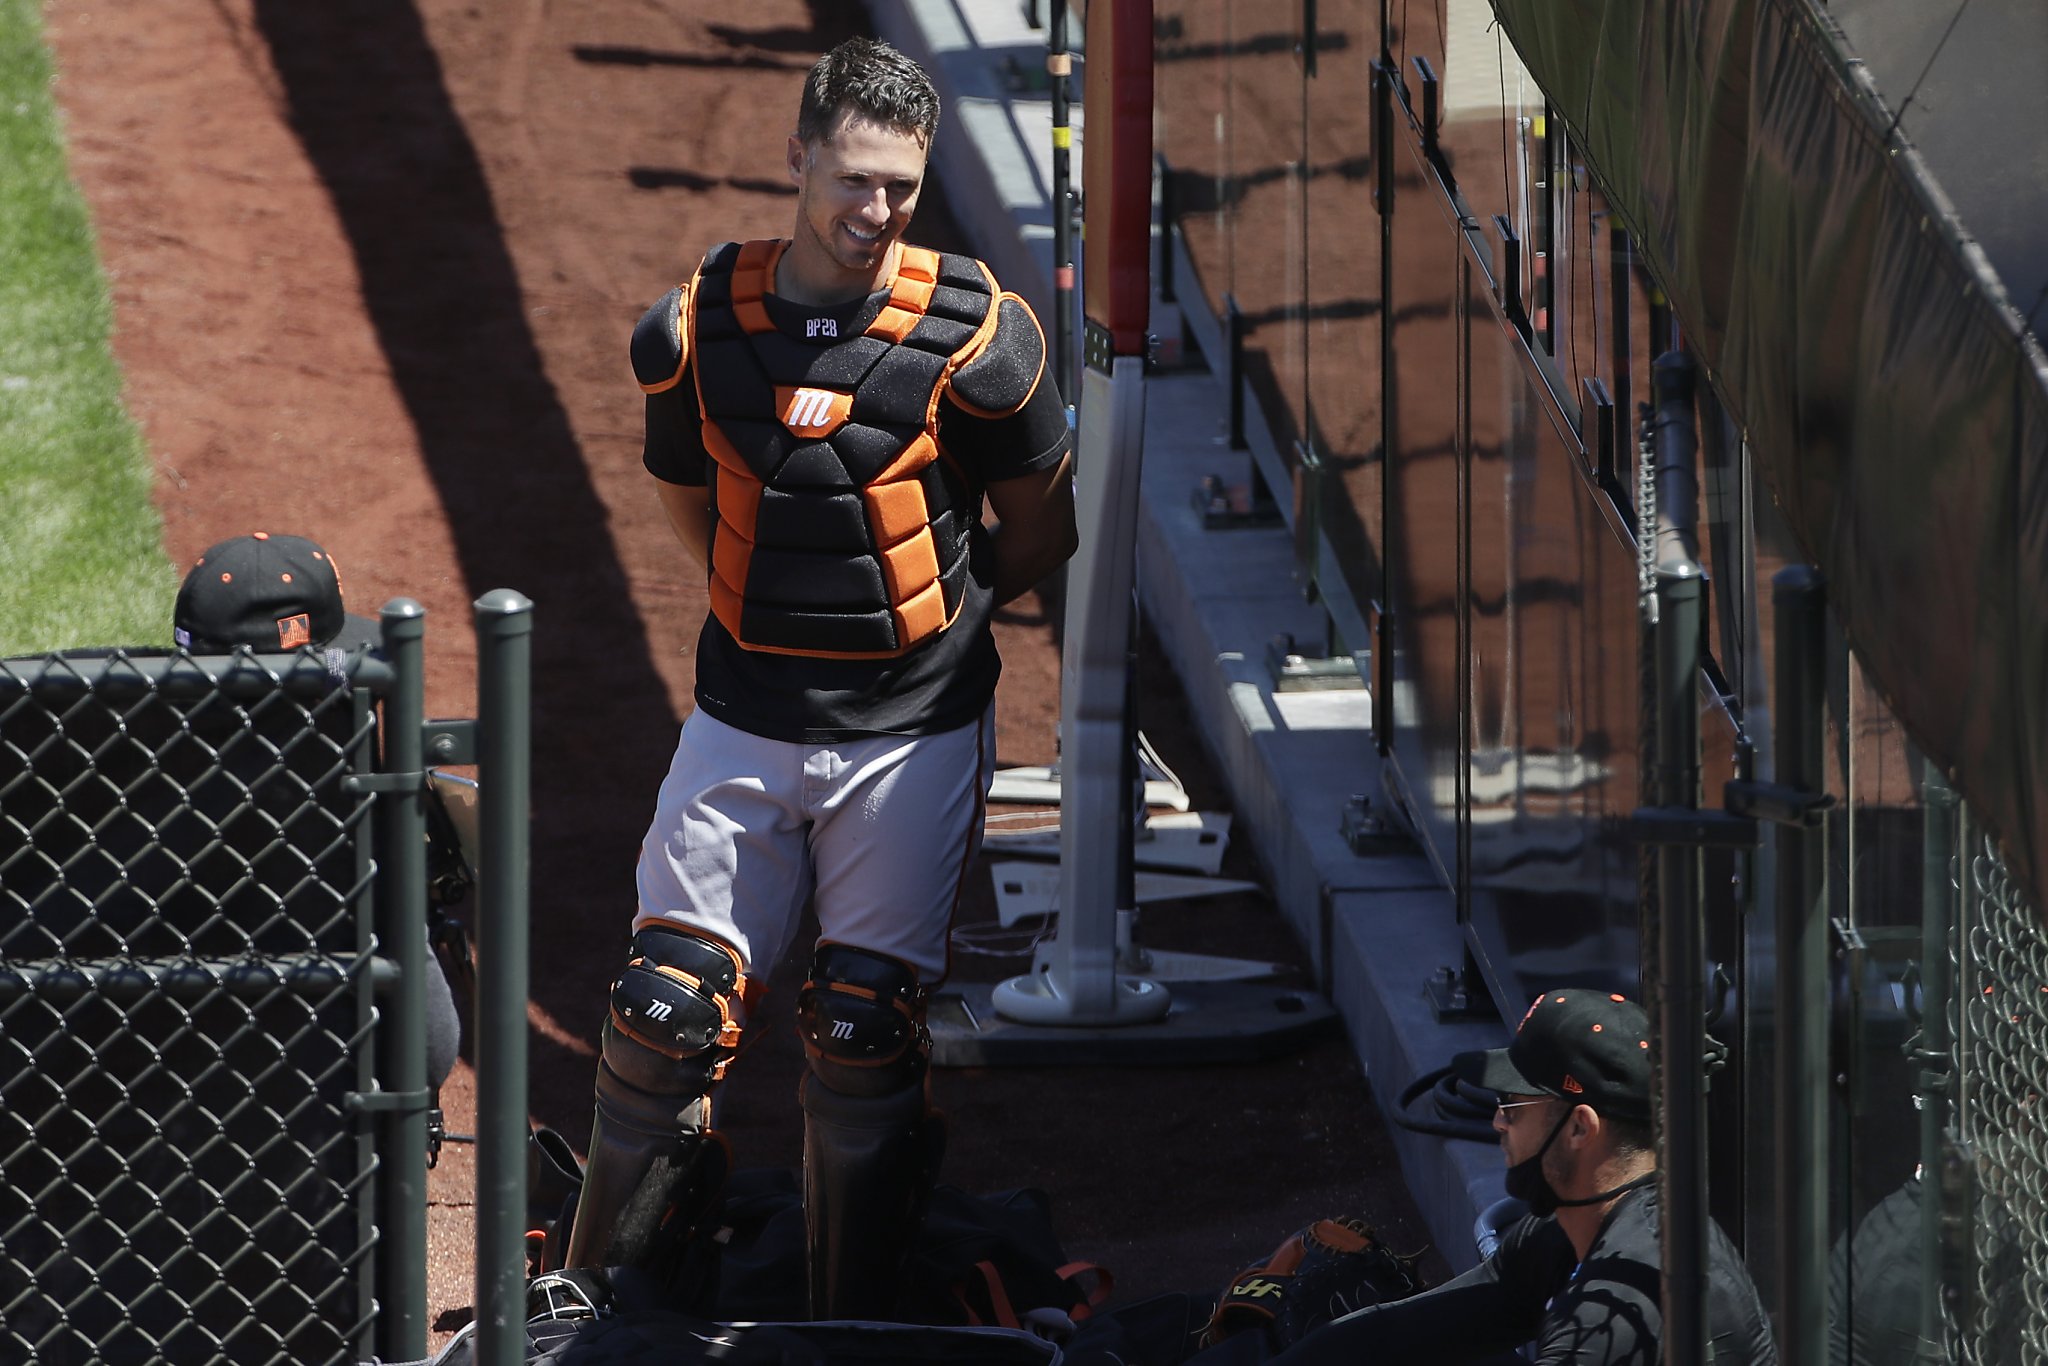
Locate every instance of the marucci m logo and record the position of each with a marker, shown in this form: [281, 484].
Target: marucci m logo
[812, 412]
[659, 1010]
[842, 1029]
[810, 408]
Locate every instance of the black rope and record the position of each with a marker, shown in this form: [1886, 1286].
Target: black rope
[1932, 57]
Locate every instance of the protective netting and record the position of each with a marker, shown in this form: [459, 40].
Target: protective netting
[2000, 1023]
[186, 964]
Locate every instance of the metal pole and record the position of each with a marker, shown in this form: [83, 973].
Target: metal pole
[1938, 868]
[1074, 978]
[1682, 1176]
[402, 854]
[1681, 940]
[1799, 605]
[504, 631]
[1059, 65]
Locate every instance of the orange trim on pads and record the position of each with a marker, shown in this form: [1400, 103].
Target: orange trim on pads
[910, 294]
[921, 451]
[923, 615]
[752, 275]
[911, 568]
[739, 501]
[682, 343]
[896, 511]
[893, 323]
[686, 319]
[995, 307]
[721, 450]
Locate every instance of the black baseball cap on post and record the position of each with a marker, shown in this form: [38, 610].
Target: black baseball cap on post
[1587, 1047]
[271, 593]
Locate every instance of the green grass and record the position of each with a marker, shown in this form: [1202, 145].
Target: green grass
[81, 545]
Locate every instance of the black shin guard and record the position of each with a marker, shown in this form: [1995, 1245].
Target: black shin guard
[651, 1189]
[869, 1164]
[655, 1172]
[871, 1142]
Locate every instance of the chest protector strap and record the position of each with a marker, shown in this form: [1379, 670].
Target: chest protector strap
[839, 529]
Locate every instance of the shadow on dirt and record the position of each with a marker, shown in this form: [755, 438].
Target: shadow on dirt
[365, 96]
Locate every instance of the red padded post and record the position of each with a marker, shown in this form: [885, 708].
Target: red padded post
[1116, 172]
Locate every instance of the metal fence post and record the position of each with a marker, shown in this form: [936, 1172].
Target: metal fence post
[1799, 604]
[1940, 871]
[504, 630]
[1680, 963]
[1682, 1028]
[402, 932]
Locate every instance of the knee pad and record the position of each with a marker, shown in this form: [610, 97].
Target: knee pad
[655, 1169]
[676, 1013]
[862, 1020]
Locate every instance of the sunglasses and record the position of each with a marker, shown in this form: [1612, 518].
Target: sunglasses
[1506, 1105]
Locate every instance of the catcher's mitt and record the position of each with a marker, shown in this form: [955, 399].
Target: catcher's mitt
[1327, 1270]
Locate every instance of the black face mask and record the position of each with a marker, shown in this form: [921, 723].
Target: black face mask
[1527, 1183]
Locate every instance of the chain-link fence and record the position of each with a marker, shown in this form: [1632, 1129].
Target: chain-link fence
[190, 1008]
[1994, 1188]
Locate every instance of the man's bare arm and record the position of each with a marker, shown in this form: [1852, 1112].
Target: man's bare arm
[689, 511]
[1034, 533]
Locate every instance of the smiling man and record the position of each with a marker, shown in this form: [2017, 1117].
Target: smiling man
[830, 419]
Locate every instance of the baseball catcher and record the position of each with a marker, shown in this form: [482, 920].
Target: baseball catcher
[829, 418]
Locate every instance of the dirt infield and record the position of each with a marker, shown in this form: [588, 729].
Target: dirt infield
[374, 266]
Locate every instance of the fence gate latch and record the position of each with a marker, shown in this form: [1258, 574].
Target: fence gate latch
[388, 1102]
[449, 742]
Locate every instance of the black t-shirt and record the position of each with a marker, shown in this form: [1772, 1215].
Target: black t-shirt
[946, 682]
[1874, 1286]
[1604, 1311]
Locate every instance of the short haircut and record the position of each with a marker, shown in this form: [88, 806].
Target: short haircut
[869, 80]
[1631, 1136]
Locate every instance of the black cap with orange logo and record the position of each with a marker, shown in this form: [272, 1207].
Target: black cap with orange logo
[1588, 1047]
[271, 593]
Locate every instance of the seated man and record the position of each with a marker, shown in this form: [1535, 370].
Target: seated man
[1579, 1276]
[274, 594]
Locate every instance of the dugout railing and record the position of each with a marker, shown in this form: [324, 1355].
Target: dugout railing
[214, 1104]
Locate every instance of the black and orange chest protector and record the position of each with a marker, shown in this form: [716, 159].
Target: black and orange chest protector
[839, 530]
